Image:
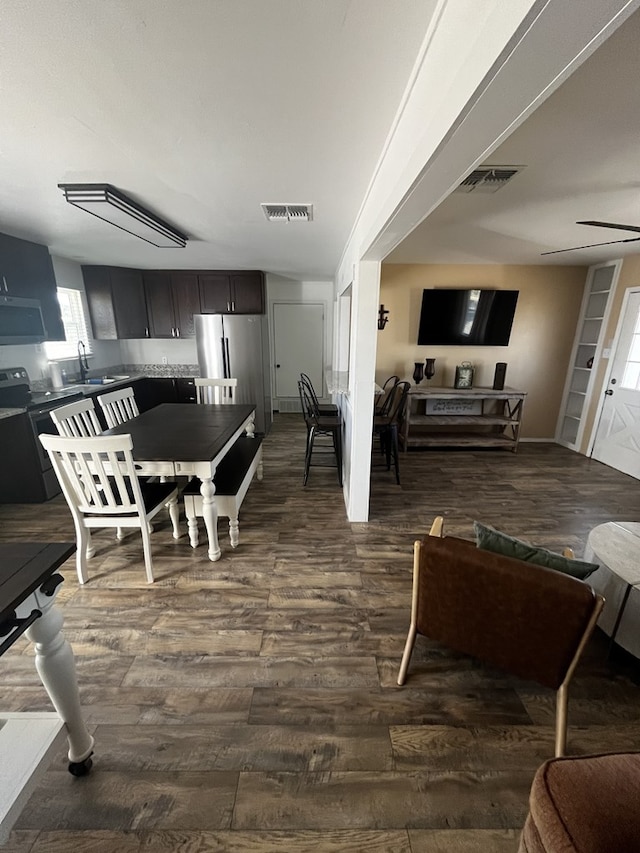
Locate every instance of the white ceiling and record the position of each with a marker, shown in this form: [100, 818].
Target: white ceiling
[581, 150]
[200, 110]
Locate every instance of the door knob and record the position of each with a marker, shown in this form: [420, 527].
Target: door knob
[277, 365]
[609, 392]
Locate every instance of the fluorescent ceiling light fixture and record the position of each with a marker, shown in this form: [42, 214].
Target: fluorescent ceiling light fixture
[111, 205]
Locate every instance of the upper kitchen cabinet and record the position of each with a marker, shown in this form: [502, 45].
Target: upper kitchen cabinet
[172, 300]
[26, 271]
[232, 292]
[116, 302]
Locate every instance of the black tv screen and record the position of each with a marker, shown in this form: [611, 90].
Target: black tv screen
[472, 317]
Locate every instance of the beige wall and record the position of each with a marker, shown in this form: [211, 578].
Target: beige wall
[541, 339]
[629, 277]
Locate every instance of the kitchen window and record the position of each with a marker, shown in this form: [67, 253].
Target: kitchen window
[75, 326]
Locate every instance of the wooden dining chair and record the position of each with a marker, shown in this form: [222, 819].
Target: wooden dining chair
[118, 406]
[215, 390]
[77, 419]
[98, 478]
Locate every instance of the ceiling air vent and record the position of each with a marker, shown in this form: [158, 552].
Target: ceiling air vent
[488, 179]
[288, 212]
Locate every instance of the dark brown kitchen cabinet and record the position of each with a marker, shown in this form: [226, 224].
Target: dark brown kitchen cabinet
[26, 271]
[215, 294]
[185, 390]
[172, 300]
[152, 391]
[232, 292]
[117, 305]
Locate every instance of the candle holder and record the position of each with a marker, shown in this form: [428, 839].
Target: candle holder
[429, 367]
[418, 372]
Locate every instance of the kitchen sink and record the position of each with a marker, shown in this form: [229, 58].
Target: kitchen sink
[99, 380]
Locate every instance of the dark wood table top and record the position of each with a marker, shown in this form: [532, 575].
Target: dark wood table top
[182, 431]
[24, 566]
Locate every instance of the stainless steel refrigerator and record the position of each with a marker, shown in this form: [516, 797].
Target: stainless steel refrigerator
[237, 346]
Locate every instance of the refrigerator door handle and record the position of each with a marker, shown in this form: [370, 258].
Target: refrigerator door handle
[228, 363]
[223, 341]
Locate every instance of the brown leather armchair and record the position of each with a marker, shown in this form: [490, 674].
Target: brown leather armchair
[530, 621]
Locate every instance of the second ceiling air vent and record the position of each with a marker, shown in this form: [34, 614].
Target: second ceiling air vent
[488, 179]
[288, 212]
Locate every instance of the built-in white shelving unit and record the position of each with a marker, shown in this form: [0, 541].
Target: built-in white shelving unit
[587, 349]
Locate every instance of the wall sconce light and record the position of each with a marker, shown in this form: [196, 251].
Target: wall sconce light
[382, 318]
[111, 205]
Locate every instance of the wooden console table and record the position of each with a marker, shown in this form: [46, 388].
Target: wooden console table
[469, 417]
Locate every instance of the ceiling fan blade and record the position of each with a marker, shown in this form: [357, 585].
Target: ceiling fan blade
[598, 224]
[592, 246]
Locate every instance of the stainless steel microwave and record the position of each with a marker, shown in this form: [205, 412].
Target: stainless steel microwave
[21, 321]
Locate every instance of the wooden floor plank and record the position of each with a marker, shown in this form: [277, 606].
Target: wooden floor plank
[338, 800]
[246, 748]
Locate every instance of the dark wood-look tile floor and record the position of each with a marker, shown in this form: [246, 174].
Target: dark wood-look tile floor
[251, 705]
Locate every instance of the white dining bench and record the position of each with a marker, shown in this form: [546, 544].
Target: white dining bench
[232, 480]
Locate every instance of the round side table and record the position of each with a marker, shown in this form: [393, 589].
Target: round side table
[616, 547]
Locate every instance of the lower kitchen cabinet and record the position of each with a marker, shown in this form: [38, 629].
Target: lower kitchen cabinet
[185, 390]
[150, 392]
[27, 474]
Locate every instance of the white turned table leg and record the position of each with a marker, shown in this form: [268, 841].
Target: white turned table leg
[234, 531]
[251, 426]
[56, 668]
[210, 516]
[192, 522]
[174, 515]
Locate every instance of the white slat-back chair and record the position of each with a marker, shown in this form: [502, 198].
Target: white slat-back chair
[215, 390]
[77, 419]
[118, 406]
[98, 478]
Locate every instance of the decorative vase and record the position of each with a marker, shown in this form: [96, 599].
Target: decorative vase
[429, 367]
[418, 372]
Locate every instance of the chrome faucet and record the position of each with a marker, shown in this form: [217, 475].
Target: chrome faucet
[82, 360]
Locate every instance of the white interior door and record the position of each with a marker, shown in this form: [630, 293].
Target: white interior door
[298, 346]
[617, 440]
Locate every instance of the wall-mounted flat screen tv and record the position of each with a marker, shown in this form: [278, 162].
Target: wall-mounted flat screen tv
[473, 317]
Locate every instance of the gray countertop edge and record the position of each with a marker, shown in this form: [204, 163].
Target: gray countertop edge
[87, 391]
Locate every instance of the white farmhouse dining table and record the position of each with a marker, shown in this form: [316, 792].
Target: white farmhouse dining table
[182, 439]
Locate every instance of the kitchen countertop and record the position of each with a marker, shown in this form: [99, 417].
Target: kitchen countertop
[9, 413]
[88, 390]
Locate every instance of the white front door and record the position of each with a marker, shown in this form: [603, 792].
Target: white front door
[298, 346]
[618, 436]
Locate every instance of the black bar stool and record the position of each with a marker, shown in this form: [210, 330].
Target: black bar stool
[319, 425]
[386, 426]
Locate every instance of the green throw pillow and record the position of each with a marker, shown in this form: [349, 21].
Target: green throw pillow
[493, 540]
